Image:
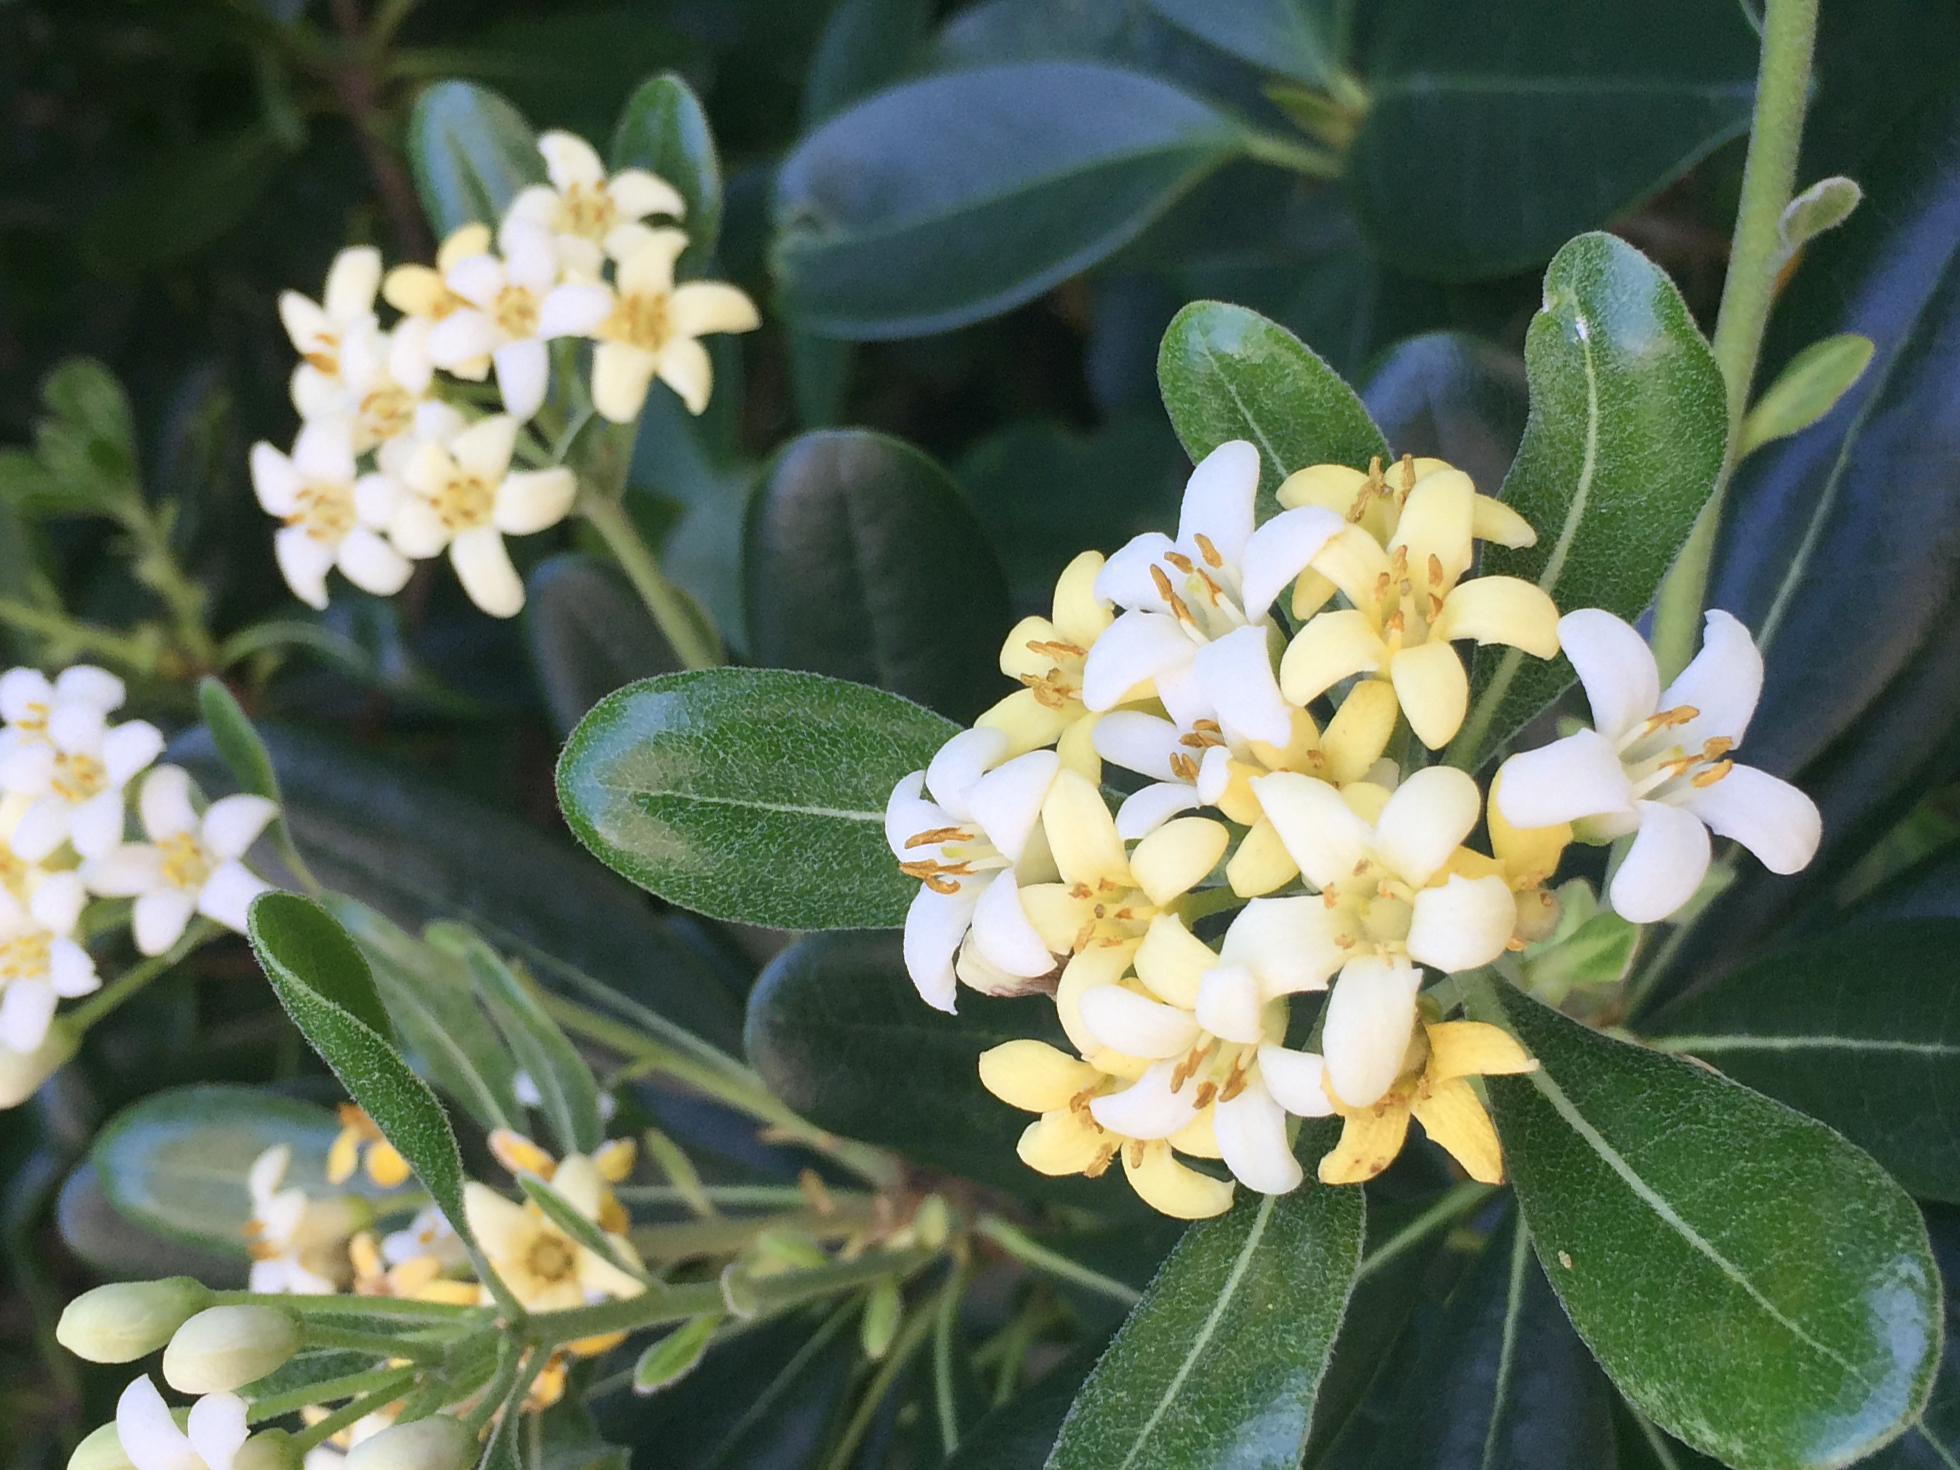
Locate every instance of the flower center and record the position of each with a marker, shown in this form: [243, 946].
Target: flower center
[962, 854]
[1198, 596]
[323, 354]
[1656, 774]
[586, 210]
[1374, 910]
[78, 777]
[325, 511]
[24, 957]
[639, 320]
[33, 720]
[1062, 684]
[387, 411]
[184, 864]
[516, 312]
[464, 501]
[551, 1258]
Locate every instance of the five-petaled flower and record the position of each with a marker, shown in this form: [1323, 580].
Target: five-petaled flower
[590, 216]
[332, 515]
[61, 754]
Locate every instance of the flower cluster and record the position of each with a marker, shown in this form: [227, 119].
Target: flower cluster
[68, 773]
[1277, 767]
[392, 464]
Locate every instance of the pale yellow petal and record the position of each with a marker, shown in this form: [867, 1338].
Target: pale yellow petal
[1529, 854]
[1177, 856]
[1099, 964]
[1493, 520]
[1077, 749]
[1261, 863]
[1370, 1140]
[1506, 610]
[1300, 753]
[1196, 1138]
[1057, 913]
[1335, 486]
[1169, 1188]
[1332, 646]
[1034, 1076]
[1027, 723]
[1080, 616]
[1472, 1049]
[1028, 650]
[1062, 1142]
[1355, 563]
[1453, 1118]
[1082, 833]
[1435, 530]
[1433, 691]
[1172, 959]
[1360, 730]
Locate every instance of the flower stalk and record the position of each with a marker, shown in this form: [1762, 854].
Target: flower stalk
[692, 643]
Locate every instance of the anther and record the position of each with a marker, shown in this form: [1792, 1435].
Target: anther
[1435, 570]
[1713, 774]
[1209, 552]
[938, 834]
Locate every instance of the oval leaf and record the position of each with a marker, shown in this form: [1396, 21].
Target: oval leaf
[1861, 1030]
[471, 151]
[1228, 373]
[756, 795]
[1628, 425]
[951, 199]
[1292, 37]
[1221, 1360]
[664, 130]
[864, 562]
[306, 942]
[1753, 1283]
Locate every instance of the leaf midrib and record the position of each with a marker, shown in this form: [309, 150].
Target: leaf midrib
[1700, 1045]
[783, 808]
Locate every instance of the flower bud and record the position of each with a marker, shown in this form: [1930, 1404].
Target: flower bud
[270, 1449]
[126, 1321]
[22, 1073]
[224, 1348]
[435, 1443]
[102, 1450]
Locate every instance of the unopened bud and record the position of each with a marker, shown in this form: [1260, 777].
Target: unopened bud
[222, 1349]
[435, 1443]
[933, 1222]
[22, 1073]
[102, 1450]
[130, 1319]
[269, 1449]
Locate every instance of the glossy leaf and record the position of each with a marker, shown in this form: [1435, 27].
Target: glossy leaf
[315, 976]
[664, 130]
[1502, 1381]
[1292, 37]
[838, 1032]
[1933, 1443]
[245, 756]
[1221, 1360]
[589, 634]
[471, 151]
[1860, 1030]
[1228, 373]
[1628, 425]
[750, 794]
[1503, 128]
[864, 562]
[1453, 397]
[1754, 1284]
[1806, 389]
[953, 198]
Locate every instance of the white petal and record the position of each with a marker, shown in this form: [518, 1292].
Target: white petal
[76, 728]
[1319, 831]
[1424, 821]
[216, 1428]
[569, 159]
[57, 902]
[533, 500]
[165, 803]
[636, 193]
[352, 281]
[1144, 811]
[1579, 776]
[371, 564]
[323, 454]
[149, 1436]
[228, 893]
[934, 927]
[1723, 683]
[1229, 1004]
[1251, 1134]
[90, 685]
[1125, 578]
[1138, 742]
[1136, 647]
[70, 970]
[304, 562]
[959, 763]
[907, 814]
[317, 395]
[1771, 818]
[96, 825]
[1293, 1079]
[41, 829]
[1218, 500]
[128, 748]
[684, 366]
[1280, 550]
[620, 378]
[1616, 666]
[1664, 867]
[1370, 1017]
[26, 1008]
[483, 567]
[416, 531]
[1003, 935]
[159, 917]
[484, 448]
[649, 270]
[1465, 923]
[523, 374]
[125, 871]
[274, 480]
[461, 337]
[702, 307]
[377, 497]
[23, 689]
[304, 321]
[530, 255]
[1236, 674]
[1147, 1108]
[233, 823]
[1006, 802]
[1287, 944]
[573, 310]
[1136, 1025]
[478, 279]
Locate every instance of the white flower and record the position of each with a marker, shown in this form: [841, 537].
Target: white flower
[647, 327]
[64, 758]
[189, 866]
[150, 1438]
[422, 296]
[589, 215]
[40, 963]
[332, 516]
[344, 369]
[1197, 633]
[1387, 899]
[298, 1244]
[463, 495]
[507, 296]
[1657, 764]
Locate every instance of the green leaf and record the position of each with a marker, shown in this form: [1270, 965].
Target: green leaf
[314, 974]
[245, 756]
[838, 1032]
[1859, 1029]
[677, 1354]
[176, 1162]
[1629, 422]
[664, 130]
[756, 795]
[1292, 37]
[437, 1019]
[1754, 1284]
[589, 634]
[569, 1091]
[1452, 396]
[1018, 1434]
[866, 45]
[951, 199]
[864, 562]
[1807, 389]
[1501, 1382]
[1228, 373]
[1497, 128]
[471, 151]
[1222, 1359]
[1933, 1443]
[1825, 205]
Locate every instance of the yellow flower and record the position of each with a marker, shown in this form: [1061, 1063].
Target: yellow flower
[545, 1268]
[422, 295]
[1046, 655]
[359, 1137]
[1434, 1087]
[1374, 502]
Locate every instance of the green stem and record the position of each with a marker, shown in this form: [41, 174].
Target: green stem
[1768, 180]
[1285, 153]
[131, 653]
[377, 1380]
[678, 623]
[353, 1306]
[757, 1196]
[381, 1344]
[156, 567]
[137, 976]
[1040, 1258]
[350, 1413]
[945, 1397]
[911, 1337]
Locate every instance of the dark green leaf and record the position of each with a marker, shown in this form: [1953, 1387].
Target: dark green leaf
[1228, 373]
[951, 199]
[837, 1031]
[1754, 1284]
[1629, 422]
[1502, 1382]
[310, 972]
[182, 203]
[589, 634]
[1019, 1434]
[664, 130]
[1453, 397]
[1222, 1359]
[1860, 1030]
[565, 1083]
[750, 794]
[118, 1245]
[471, 152]
[1502, 128]
[1293, 37]
[859, 548]
[866, 45]
[1934, 1442]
